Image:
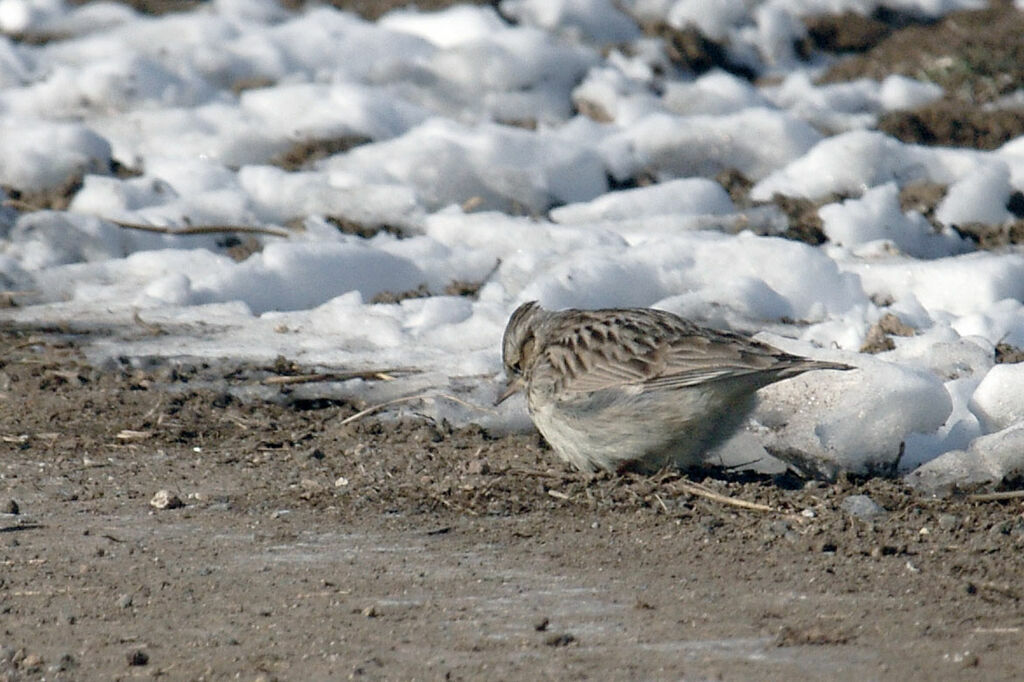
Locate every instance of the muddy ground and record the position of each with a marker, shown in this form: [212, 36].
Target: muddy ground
[301, 546]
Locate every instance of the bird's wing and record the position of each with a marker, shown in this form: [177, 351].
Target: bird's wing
[658, 350]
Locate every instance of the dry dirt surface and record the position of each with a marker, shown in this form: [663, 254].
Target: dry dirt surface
[299, 541]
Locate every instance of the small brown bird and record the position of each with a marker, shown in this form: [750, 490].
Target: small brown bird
[636, 388]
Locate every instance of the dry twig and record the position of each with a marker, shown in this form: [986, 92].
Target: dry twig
[701, 491]
[367, 374]
[995, 497]
[535, 472]
[200, 229]
[408, 398]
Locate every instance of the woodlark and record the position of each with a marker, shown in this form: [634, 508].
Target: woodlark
[635, 388]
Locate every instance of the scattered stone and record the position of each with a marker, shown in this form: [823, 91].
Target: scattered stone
[563, 639]
[370, 612]
[948, 521]
[970, 660]
[814, 635]
[863, 507]
[827, 545]
[137, 657]
[64, 663]
[11, 507]
[31, 661]
[309, 485]
[1000, 529]
[125, 601]
[478, 467]
[710, 523]
[165, 499]
[541, 625]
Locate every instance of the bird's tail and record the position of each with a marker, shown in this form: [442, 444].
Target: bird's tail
[801, 365]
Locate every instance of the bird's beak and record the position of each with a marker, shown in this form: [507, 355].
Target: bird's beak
[514, 385]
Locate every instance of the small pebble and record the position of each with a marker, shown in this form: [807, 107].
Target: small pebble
[138, 657]
[478, 467]
[64, 663]
[862, 506]
[948, 521]
[165, 499]
[124, 601]
[310, 485]
[32, 661]
[1000, 529]
[564, 639]
[11, 507]
[969, 660]
[828, 546]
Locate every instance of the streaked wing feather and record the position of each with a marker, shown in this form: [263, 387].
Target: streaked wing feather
[703, 375]
[656, 350]
[601, 377]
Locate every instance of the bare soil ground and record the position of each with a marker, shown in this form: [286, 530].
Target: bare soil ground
[305, 547]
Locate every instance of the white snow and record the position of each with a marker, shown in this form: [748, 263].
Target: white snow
[467, 145]
[40, 154]
[853, 421]
[997, 400]
[690, 196]
[988, 459]
[876, 216]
